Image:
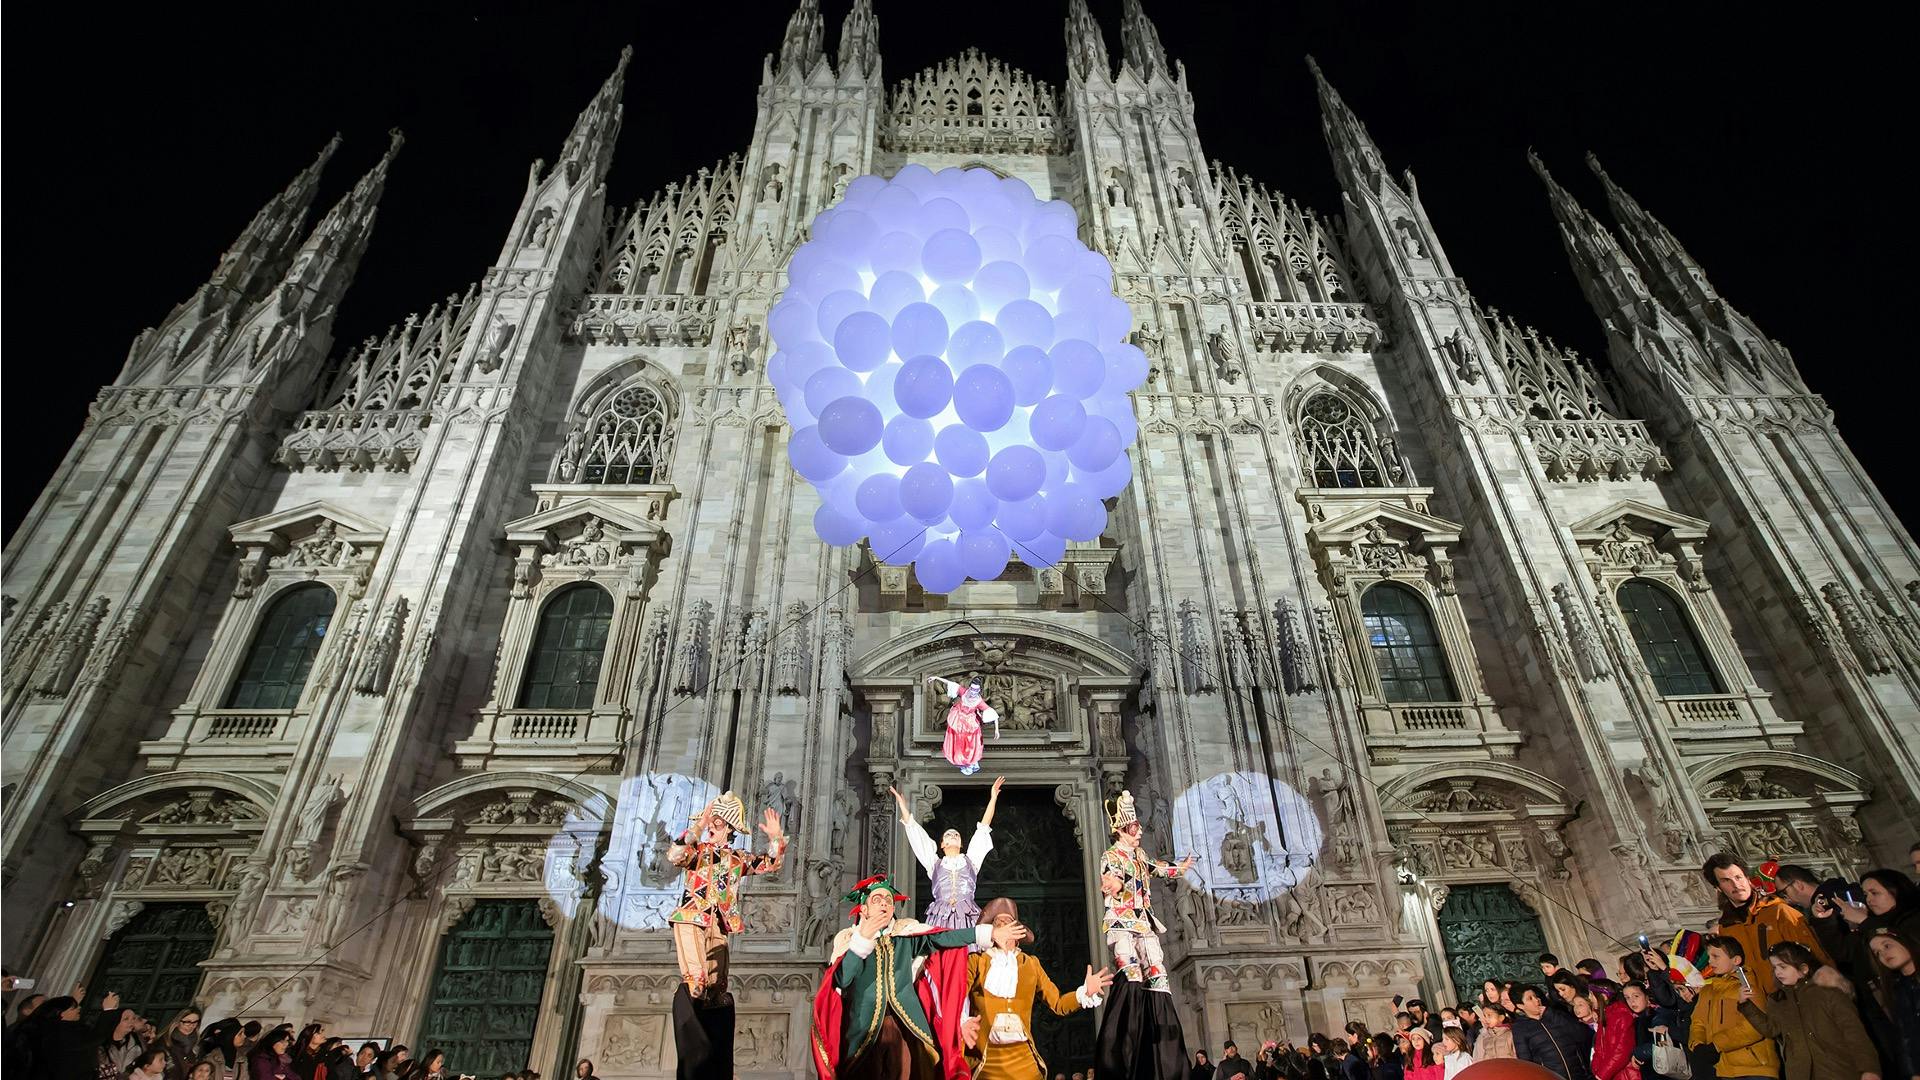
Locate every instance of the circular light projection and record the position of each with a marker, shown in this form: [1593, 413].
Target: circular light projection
[1255, 838]
[954, 365]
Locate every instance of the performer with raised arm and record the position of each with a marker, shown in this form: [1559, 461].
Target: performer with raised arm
[954, 875]
[708, 910]
[965, 718]
[1002, 984]
[889, 1004]
[1140, 1036]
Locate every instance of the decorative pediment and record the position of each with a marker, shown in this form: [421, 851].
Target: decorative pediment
[1375, 517]
[282, 527]
[1657, 522]
[586, 521]
[179, 799]
[509, 796]
[313, 540]
[1775, 777]
[583, 540]
[1471, 788]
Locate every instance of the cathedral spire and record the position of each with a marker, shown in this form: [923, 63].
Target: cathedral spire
[324, 266]
[588, 150]
[1667, 265]
[1086, 46]
[860, 40]
[259, 255]
[1606, 273]
[1354, 152]
[805, 42]
[1141, 42]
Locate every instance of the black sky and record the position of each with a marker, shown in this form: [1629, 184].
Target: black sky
[143, 139]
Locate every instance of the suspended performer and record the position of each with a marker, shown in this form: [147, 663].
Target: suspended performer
[965, 719]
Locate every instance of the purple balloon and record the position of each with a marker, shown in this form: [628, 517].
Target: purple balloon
[878, 497]
[926, 491]
[983, 397]
[962, 450]
[1016, 472]
[897, 542]
[983, 553]
[1046, 549]
[907, 440]
[923, 387]
[973, 505]
[1022, 519]
[1058, 422]
[850, 426]
[812, 458]
[836, 528]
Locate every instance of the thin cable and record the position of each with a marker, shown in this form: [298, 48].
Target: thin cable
[1303, 737]
[617, 748]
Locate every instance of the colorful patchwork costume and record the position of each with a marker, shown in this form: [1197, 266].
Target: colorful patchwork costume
[1140, 1036]
[708, 908]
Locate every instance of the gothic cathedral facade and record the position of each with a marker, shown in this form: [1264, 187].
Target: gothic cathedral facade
[366, 684]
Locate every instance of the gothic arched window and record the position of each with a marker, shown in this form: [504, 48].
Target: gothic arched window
[290, 636]
[629, 440]
[568, 647]
[1406, 652]
[1339, 448]
[1666, 641]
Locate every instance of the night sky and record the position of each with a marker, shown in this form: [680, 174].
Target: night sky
[142, 141]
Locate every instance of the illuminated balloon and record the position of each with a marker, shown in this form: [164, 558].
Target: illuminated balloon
[954, 366]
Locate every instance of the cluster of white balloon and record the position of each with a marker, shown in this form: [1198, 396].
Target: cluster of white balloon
[955, 367]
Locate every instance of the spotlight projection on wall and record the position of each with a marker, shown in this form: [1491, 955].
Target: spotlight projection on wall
[954, 364]
[1255, 837]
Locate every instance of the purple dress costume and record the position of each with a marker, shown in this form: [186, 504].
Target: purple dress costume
[954, 876]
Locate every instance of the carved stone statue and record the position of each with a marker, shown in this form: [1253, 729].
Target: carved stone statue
[1226, 355]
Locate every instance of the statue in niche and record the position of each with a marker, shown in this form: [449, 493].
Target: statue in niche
[322, 549]
[541, 234]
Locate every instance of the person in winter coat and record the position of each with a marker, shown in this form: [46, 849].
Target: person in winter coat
[272, 1057]
[1232, 1064]
[1756, 920]
[1496, 1033]
[150, 1064]
[221, 1047]
[1896, 958]
[123, 1045]
[1420, 1061]
[1888, 900]
[65, 1047]
[1386, 1063]
[178, 1039]
[1744, 1050]
[1820, 1034]
[1547, 1034]
[1613, 1044]
[1454, 1055]
[1648, 1020]
[1202, 1068]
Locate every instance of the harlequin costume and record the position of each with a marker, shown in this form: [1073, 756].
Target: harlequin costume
[890, 1007]
[1140, 1036]
[708, 910]
[1001, 988]
[966, 718]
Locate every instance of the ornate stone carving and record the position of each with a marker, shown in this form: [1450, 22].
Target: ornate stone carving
[1458, 797]
[1296, 662]
[119, 914]
[512, 863]
[204, 808]
[93, 869]
[1026, 703]
[1860, 634]
[493, 346]
[1462, 356]
[789, 669]
[62, 660]
[1334, 796]
[1588, 654]
[382, 649]
[1196, 650]
[290, 915]
[690, 663]
[521, 808]
[106, 658]
[1226, 355]
[454, 909]
[1750, 785]
[1352, 905]
[323, 549]
[315, 810]
[632, 1041]
[184, 868]
[1622, 546]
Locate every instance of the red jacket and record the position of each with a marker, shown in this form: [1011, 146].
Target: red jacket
[1613, 1044]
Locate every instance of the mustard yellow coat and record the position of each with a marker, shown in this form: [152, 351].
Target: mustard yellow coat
[1020, 1061]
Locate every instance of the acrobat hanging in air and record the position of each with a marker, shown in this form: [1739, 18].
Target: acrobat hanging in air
[965, 718]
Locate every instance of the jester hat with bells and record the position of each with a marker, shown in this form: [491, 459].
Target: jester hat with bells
[857, 896]
[729, 811]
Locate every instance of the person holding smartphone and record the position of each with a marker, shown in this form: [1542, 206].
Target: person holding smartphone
[1744, 1050]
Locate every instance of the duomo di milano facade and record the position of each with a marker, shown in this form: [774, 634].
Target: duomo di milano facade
[447, 632]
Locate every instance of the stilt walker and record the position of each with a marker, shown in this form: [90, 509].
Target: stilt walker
[889, 1004]
[707, 915]
[1140, 1036]
[953, 870]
